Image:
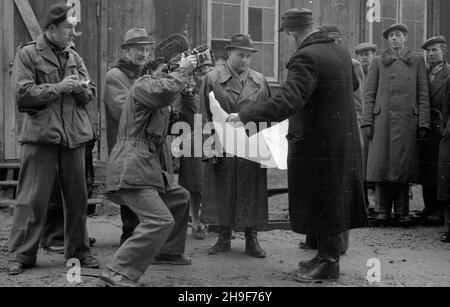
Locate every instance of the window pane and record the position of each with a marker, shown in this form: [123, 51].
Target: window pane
[231, 21]
[263, 61]
[220, 54]
[262, 3]
[261, 24]
[217, 27]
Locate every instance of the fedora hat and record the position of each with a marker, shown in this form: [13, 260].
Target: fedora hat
[241, 41]
[136, 37]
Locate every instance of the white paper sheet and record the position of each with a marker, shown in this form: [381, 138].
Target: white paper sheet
[269, 148]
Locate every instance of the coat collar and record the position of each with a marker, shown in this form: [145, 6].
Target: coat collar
[129, 69]
[319, 37]
[47, 53]
[225, 77]
[440, 80]
[389, 57]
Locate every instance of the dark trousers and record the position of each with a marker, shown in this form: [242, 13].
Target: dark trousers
[41, 166]
[343, 238]
[430, 198]
[162, 229]
[390, 193]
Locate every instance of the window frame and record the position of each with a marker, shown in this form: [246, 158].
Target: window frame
[399, 18]
[245, 4]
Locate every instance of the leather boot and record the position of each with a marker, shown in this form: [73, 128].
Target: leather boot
[252, 247]
[223, 244]
[326, 266]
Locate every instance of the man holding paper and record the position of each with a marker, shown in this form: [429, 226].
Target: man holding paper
[235, 189]
[326, 186]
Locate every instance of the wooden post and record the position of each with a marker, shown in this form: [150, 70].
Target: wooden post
[103, 68]
[11, 150]
[2, 99]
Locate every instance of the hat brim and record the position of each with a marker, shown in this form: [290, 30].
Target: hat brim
[425, 46]
[125, 45]
[242, 48]
[366, 49]
[388, 31]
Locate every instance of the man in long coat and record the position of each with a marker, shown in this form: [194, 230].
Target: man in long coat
[235, 190]
[396, 114]
[118, 82]
[438, 75]
[326, 190]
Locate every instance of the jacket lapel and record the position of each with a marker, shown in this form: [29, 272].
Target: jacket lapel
[226, 78]
[252, 86]
[45, 51]
[440, 81]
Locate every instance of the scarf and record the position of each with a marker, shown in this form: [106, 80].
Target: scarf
[129, 69]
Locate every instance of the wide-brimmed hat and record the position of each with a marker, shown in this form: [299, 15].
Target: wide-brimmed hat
[434, 40]
[366, 47]
[396, 27]
[296, 18]
[241, 41]
[136, 37]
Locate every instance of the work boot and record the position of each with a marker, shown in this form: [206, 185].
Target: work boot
[16, 268]
[305, 266]
[252, 247]
[223, 244]
[114, 280]
[326, 266]
[89, 262]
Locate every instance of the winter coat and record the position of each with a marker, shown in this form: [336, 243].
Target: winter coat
[326, 191]
[396, 105]
[234, 190]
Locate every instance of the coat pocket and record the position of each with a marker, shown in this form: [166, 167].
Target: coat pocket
[47, 74]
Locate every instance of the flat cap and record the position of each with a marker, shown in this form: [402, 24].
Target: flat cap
[296, 18]
[366, 47]
[434, 40]
[56, 12]
[396, 27]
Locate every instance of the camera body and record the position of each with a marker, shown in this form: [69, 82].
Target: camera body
[205, 58]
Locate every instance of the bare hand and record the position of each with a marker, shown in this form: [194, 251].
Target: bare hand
[235, 120]
[190, 63]
[68, 85]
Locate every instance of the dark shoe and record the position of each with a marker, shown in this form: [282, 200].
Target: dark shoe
[405, 221]
[89, 263]
[199, 233]
[252, 247]
[171, 260]
[435, 220]
[114, 280]
[16, 268]
[322, 271]
[381, 219]
[305, 266]
[223, 244]
[92, 242]
[445, 238]
[425, 213]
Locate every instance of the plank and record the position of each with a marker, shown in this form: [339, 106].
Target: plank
[29, 18]
[2, 141]
[11, 152]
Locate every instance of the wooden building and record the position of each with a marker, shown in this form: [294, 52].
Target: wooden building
[104, 22]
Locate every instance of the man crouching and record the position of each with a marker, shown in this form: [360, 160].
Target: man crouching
[139, 171]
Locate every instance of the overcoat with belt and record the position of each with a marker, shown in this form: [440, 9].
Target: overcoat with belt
[235, 190]
[326, 190]
[396, 105]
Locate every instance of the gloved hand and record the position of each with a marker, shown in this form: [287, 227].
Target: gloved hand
[368, 131]
[70, 84]
[189, 63]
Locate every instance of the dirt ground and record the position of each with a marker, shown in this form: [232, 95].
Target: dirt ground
[409, 257]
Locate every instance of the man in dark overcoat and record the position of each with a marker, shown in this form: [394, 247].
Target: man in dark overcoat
[438, 74]
[326, 188]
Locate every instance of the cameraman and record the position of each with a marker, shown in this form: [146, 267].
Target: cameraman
[139, 171]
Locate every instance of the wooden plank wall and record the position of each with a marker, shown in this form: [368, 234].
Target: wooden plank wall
[2, 71]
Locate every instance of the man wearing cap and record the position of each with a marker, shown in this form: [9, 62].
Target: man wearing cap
[53, 87]
[365, 53]
[235, 190]
[438, 78]
[396, 115]
[326, 196]
[118, 82]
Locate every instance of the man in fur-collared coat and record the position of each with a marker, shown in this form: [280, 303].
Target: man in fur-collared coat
[396, 114]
